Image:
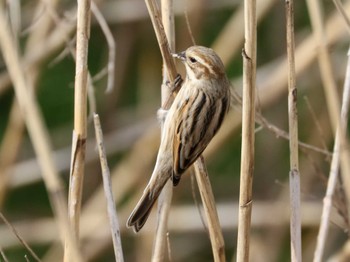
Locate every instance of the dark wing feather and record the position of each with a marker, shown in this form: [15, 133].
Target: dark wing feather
[199, 119]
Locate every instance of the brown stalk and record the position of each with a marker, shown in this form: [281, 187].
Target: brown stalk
[15, 128]
[107, 185]
[334, 170]
[262, 213]
[80, 118]
[164, 202]
[37, 131]
[294, 175]
[248, 132]
[207, 196]
[43, 50]
[162, 40]
[18, 236]
[332, 99]
[324, 60]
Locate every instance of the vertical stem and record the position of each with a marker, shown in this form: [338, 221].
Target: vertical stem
[80, 112]
[164, 201]
[334, 170]
[248, 120]
[324, 61]
[107, 186]
[294, 176]
[329, 85]
[207, 196]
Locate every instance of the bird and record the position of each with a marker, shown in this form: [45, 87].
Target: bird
[191, 122]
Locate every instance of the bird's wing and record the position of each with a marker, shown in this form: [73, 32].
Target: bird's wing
[197, 120]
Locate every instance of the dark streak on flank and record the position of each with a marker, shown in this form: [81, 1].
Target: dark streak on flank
[196, 113]
[224, 104]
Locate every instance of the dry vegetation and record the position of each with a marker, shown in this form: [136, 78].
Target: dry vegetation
[55, 74]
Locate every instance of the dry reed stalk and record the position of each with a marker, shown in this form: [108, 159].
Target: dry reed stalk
[324, 61]
[80, 118]
[261, 217]
[107, 185]
[37, 132]
[329, 85]
[168, 61]
[211, 213]
[248, 131]
[129, 165]
[332, 180]
[294, 175]
[14, 131]
[164, 202]
[344, 140]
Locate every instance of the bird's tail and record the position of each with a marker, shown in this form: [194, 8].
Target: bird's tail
[143, 208]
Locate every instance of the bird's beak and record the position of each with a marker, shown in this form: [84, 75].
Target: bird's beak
[181, 56]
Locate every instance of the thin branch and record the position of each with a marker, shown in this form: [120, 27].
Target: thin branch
[2, 253]
[317, 122]
[107, 185]
[188, 25]
[111, 45]
[333, 175]
[163, 45]
[18, 236]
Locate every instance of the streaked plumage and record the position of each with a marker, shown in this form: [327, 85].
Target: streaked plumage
[191, 122]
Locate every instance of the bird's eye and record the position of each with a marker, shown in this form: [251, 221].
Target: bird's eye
[192, 59]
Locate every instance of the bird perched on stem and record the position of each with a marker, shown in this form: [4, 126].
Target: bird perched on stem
[191, 122]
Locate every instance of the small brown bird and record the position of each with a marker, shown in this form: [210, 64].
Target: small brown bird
[191, 122]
